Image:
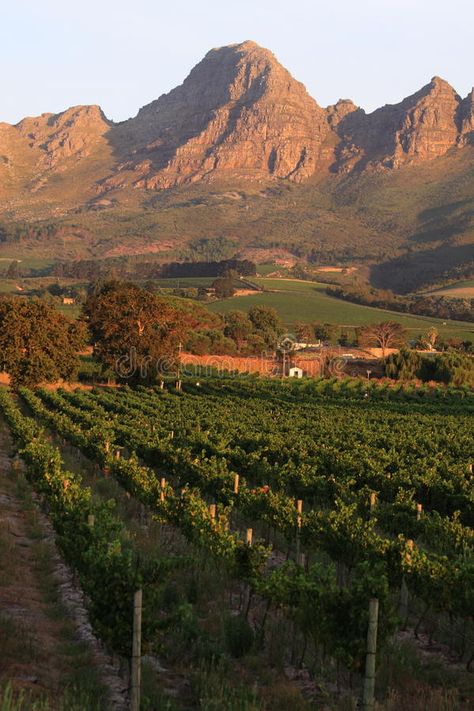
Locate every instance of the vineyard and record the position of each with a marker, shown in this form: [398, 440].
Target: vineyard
[314, 498]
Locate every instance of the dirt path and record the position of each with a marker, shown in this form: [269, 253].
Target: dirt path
[47, 646]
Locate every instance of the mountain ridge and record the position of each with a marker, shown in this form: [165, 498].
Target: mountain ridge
[240, 110]
[335, 179]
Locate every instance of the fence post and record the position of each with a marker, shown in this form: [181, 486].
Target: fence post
[136, 651]
[369, 679]
[162, 489]
[247, 593]
[91, 520]
[373, 500]
[236, 484]
[299, 511]
[419, 511]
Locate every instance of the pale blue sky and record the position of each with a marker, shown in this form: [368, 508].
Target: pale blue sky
[122, 55]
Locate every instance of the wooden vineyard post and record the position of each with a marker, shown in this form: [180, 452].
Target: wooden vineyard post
[162, 487]
[369, 678]
[403, 609]
[136, 651]
[419, 511]
[246, 605]
[212, 511]
[373, 500]
[91, 520]
[299, 511]
[236, 484]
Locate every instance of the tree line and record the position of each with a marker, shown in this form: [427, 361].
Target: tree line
[138, 334]
[420, 305]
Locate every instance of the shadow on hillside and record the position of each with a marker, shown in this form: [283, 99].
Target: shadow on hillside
[417, 269]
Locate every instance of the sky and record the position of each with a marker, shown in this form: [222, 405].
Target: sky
[123, 54]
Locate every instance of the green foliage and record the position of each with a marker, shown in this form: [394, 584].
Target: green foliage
[224, 287]
[266, 323]
[137, 333]
[238, 636]
[37, 343]
[102, 554]
[334, 450]
[448, 368]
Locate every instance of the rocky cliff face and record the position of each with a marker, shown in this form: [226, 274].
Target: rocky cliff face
[466, 115]
[238, 115]
[239, 111]
[421, 127]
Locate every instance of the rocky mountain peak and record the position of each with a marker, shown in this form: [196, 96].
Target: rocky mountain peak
[71, 133]
[238, 116]
[466, 119]
[238, 110]
[421, 127]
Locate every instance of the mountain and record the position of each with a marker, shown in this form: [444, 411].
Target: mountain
[240, 148]
[239, 112]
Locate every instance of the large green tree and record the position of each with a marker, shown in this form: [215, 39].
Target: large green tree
[238, 327]
[37, 343]
[138, 334]
[266, 323]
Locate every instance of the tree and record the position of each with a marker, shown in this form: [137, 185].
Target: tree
[405, 365]
[13, 271]
[325, 331]
[428, 340]
[238, 327]
[266, 323]
[223, 287]
[388, 334]
[138, 333]
[304, 332]
[132, 331]
[37, 343]
[199, 343]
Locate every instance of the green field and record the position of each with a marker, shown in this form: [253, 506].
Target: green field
[307, 301]
[183, 282]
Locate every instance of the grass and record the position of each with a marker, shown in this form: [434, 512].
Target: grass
[307, 301]
[183, 282]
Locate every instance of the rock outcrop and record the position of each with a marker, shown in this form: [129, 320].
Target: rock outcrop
[419, 128]
[239, 111]
[466, 120]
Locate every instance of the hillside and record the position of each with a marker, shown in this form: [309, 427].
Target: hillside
[307, 302]
[241, 151]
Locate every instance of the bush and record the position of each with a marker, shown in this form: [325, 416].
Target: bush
[449, 368]
[238, 635]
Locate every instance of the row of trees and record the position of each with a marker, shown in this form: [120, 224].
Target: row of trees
[423, 305]
[241, 333]
[448, 368]
[137, 333]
